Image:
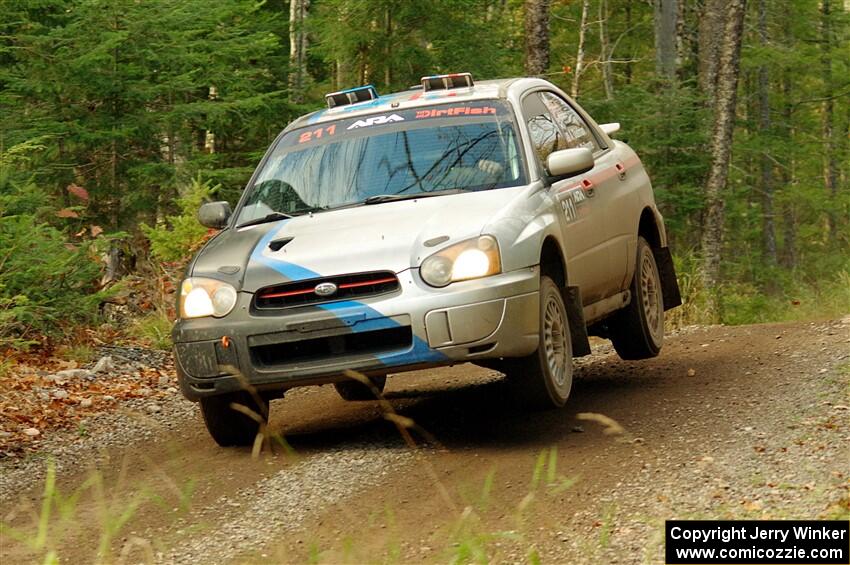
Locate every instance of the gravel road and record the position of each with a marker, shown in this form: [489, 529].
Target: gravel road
[744, 422]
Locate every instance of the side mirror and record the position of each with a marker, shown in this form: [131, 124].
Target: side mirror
[569, 162]
[610, 129]
[214, 214]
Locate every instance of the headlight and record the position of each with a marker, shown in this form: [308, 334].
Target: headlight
[206, 297]
[470, 259]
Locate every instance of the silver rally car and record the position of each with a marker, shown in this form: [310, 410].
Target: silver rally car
[491, 222]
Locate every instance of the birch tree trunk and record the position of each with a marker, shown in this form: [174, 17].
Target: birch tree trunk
[765, 125]
[585, 7]
[725, 101]
[298, 10]
[605, 48]
[536, 36]
[710, 32]
[666, 15]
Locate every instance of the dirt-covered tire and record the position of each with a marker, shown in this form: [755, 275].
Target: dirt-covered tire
[637, 331]
[355, 390]
[544, 379]
[228, 426]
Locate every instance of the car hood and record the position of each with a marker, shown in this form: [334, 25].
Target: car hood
[383, 237]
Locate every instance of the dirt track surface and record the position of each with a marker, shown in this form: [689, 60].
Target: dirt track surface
[745, 422]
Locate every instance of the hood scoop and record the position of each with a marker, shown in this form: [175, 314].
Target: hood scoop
[277, 244]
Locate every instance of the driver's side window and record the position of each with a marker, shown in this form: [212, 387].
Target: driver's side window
[576, 132]
[545, 135]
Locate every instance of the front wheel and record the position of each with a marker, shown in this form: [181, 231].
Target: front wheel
[637, 331]
[544, 379]
[230, 426]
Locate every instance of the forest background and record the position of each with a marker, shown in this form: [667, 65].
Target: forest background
[119, 117]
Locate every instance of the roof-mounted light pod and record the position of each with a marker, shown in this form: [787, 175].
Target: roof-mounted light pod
[447, 82]
[351, 96]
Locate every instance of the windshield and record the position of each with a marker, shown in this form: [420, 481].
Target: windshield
[469, 146]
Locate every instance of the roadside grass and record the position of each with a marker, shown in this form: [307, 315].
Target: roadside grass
[466, 539]
[481, 530]
[44, 530]
[57, 512]
[6, 365]
[473, 540]
[55, 519]
[82, 353]
[770, 295]
[153, 329]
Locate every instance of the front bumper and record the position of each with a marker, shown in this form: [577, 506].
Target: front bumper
[415, 327]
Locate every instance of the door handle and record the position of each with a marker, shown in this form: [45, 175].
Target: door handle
[621, 170]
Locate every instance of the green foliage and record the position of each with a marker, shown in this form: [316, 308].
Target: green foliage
[137, 97]
[80, 352]
[45, 280]
[133, 100]
[154, 329]
[59, 510]
[180, 235]
[669, 135]
[692, 310]
[820, 291]
[394, 43]
[798, 299]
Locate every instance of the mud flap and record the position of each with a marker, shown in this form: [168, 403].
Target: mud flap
[669, 284]
[575, 316]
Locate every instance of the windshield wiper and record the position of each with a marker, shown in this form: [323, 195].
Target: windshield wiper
[273, 217]
[381, 198]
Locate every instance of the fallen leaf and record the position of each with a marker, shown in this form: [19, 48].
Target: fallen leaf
[67, 213]
[78, 191]
[96, 231]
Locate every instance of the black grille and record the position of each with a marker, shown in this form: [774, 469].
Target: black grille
[302, 293]
[363, 343]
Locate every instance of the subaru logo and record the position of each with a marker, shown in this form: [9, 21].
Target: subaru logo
[325, 289]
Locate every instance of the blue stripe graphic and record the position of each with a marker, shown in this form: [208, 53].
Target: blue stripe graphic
[358, 316]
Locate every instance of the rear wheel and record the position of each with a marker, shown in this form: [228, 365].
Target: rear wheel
[544, 379]
[637, 331]
[355, 390]
[229, 426]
